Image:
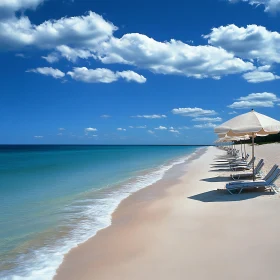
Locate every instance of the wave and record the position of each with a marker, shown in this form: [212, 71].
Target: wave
[89, 215]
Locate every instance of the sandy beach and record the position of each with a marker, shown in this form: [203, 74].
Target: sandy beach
[183, 228]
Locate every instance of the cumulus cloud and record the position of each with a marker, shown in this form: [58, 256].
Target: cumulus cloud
[218, 119]
[174, 57]
[192, 112]
[251, 42]
[102, 75]
[131, 76]
[161, 128]
[91, 36]
[232, 113]
[48, 71]
[121, 129]
[51, 58]
[90, 129]
[81, 31]
[73, 54]
[150, 116]
[260, 76]
[269, 5]
[9, 7]
[151, 132]
[205, 125]
[252, 100]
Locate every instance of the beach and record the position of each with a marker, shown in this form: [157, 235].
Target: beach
[182, 227]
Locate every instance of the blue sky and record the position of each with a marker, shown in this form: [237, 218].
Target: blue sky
[126, 72]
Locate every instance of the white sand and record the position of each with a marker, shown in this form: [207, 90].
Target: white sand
[184, 229]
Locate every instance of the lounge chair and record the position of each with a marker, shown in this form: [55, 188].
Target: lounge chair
[243, 166]
[268, 183]
[265, 178]
[236, 160]
[244, 175]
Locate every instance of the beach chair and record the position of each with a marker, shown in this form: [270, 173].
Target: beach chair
[243, 166]
[268, 183]
[265, 178]
[248, 175]
[239, 159]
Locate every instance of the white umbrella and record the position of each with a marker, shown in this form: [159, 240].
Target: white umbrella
[252, 123]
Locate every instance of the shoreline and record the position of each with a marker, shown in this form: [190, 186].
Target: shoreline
[170, 177]
[183, 227]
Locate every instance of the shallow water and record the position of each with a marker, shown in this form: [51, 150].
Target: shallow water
[53, 198]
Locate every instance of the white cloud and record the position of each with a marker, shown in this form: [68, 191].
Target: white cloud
[161, 128]
[121, 129]
[131, 76]
[72, 54]
[39, 136]
[61, 129]
[92, 36]
[251, 42]
[218, 119]
[9, 7]
[90, 129]
[140, 127]
[105, 116]
[100, 75]
[192, 112]
[48, 71]
[150, 116]
[174, 57]
[174, 131]
[252, 100]
[205, 125]
[151, 132]
[232, 113]
[270, 5]
[260, 76]
[264, 68]
[51, 58]
[82, 31]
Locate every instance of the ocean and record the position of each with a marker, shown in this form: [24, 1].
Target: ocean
[53, 198]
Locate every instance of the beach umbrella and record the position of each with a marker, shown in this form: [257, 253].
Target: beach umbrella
[252, 124]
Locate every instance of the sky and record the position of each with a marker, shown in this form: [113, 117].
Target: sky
[134, 72]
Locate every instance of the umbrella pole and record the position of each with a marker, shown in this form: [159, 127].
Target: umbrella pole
[253, 154]
[241, 148]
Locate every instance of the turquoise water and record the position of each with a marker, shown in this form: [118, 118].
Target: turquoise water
[52, 198]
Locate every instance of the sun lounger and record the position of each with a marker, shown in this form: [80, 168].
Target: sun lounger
[265, 178]
[236, 160]
[243, 166]
[268, 183]
[249, 174]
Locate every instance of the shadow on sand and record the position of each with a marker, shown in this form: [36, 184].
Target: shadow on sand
[217, 179]
[225, 196]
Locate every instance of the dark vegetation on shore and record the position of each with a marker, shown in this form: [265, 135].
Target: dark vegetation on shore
[265, 140]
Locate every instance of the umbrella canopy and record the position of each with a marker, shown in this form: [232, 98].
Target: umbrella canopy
[252, 123]
[249, 123]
